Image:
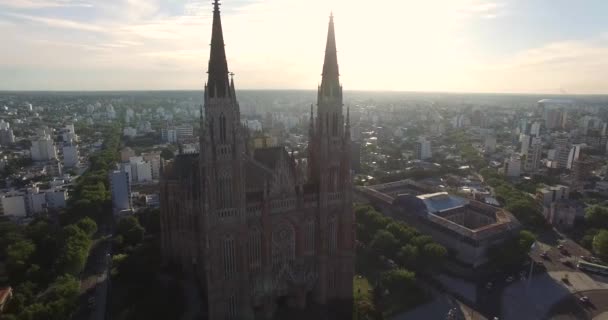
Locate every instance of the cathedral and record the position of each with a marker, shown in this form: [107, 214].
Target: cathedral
[260, 230]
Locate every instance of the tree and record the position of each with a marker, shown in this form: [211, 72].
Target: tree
[384, 243]
[131, 231]
[433, 254]
[600, 244]
[421, 241]
[408, 256]
[402, 232]
[166, 154]
[597, 216]
[513, 251]
[19, 255]
[87, 225]
[398, 281]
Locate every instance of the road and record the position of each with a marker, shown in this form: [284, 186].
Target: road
[95, 280]
[571, 308]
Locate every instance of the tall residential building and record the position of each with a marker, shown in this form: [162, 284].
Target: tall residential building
[43, 149]
[423, 149]
[534, 155]
[121, 190]
[581, 172]
[535, 129]
[512, 166]
[525, 143]
[489, 143]
[573, 155]
[6, 133]
[70, 156]
[256, 232]
[561, 144]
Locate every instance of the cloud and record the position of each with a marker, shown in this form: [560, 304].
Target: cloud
[38, 4]
[414, 46]
[58, 23]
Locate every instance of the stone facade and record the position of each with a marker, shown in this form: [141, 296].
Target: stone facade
[259, 229]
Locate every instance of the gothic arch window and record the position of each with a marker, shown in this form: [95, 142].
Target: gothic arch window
[333, 235]
[229, 255]
[222, 128]
[254, 248]
[283, 245]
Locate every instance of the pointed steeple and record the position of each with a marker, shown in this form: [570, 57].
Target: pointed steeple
[331, 72]
[217, 84]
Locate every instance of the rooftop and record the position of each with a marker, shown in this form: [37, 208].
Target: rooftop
[441, 201]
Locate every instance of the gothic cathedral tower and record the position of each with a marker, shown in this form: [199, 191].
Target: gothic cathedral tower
[330, 170]
[223, 190]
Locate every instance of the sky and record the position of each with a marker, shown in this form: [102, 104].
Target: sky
[515, 46]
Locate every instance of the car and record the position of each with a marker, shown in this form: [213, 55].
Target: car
[509, 279]
[489, 285]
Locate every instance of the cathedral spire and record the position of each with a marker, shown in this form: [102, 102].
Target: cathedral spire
[330, 65]
[217, 84]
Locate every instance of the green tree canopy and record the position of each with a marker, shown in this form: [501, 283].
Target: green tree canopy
[600, 244]
[384, 243]
[87, 225]
[131, 231]
[597, 216]
[398, 281]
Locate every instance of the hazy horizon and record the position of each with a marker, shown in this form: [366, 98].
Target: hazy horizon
[435, 46]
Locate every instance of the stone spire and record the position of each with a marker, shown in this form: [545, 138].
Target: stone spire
[217, 84]
[331, 72]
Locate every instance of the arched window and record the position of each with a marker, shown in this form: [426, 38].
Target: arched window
[283, 245]
[254, 248]
[222, 128]
[229, 257]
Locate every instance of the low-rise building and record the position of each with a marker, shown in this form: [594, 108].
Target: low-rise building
[467, 227]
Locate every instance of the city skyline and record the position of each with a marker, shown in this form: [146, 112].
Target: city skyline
[547, 47]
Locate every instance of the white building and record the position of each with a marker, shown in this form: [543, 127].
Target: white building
[423, 149]
[557, 208]
[121, 190]
[535, 129]
[57, 198]
[512, 166]
[43, 149]
[129, 132]
[253, 125]
[144, 171]
[70, 156]
[573, 155]
[13, 205]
